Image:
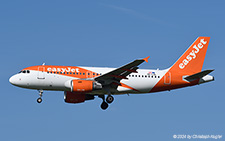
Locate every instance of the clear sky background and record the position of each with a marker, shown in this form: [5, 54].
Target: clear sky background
[110, 33]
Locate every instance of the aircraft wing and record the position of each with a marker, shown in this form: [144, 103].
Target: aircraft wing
[120, 73]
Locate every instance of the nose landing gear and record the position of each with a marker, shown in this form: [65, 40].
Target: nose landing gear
[39, 100]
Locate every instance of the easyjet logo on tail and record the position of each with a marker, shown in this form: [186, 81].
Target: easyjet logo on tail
[193, 54]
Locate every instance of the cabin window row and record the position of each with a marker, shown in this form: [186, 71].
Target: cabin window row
[145, 76]
[73, 73]
[97, 74]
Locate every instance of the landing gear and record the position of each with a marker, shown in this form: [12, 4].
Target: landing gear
[39, 100]
[109, 99]
[105, 104]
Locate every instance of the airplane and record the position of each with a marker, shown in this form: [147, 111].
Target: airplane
[85, 83]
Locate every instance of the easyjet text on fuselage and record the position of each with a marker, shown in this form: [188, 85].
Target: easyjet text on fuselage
[66, 69]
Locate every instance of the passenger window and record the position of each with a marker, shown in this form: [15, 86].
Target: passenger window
[158, 76]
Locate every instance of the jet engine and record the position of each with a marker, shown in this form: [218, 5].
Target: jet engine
[75, 97]
[83, 86]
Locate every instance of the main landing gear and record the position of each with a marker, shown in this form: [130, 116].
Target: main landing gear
[105, 104]
[39, 100]
[109, 99]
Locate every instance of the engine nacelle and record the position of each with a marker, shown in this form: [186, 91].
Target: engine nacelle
[72, 97]
[75, 97]
[83, 85]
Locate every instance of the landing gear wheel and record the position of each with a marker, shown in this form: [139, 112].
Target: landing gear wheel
[109, 99]
[104, 105]
[39, 100]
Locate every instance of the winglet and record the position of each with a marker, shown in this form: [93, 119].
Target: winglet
[146, 59]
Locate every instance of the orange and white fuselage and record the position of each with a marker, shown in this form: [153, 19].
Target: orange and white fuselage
[113, 81]
[48, 79]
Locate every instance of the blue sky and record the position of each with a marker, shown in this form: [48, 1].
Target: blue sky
[110, 33]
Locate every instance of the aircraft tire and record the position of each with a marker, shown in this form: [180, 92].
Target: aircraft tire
[109, 99]
[39, 100]
[104, 105]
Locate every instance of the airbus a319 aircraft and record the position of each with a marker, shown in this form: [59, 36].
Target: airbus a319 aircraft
[84, 83]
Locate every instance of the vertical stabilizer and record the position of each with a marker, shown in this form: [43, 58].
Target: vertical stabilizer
[192, 60]
[188, 64]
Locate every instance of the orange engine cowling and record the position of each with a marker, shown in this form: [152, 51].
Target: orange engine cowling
[84, 86]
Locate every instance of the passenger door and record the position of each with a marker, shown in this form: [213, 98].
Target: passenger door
[41, 74]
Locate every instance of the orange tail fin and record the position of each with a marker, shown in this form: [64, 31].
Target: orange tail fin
[192, 60]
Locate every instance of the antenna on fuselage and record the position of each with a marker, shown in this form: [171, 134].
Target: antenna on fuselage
[43, 64]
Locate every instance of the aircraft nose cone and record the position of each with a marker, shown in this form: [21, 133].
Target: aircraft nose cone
[12, 80]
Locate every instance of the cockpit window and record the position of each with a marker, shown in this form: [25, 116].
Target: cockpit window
[25, 71]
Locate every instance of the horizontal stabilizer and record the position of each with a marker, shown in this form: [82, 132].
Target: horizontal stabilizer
[198, 75]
